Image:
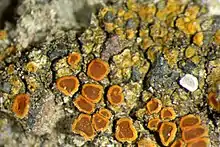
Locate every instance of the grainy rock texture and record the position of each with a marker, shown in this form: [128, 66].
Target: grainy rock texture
[164, 57]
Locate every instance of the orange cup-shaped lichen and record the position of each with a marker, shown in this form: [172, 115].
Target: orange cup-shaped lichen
[154, 106]
[167, 132]
[153, 124]
[105, 113]
[92, 92]
[213, 101]
[83, 126]
[99, 122]
[73, 59]
[146, 142]
[125, 131]
[68, 85]
[84, 105]
[167, 113]
[200, 142]
[115, 95]
[178, 143]
[98, 69]
[194, 133]
[189, 121]
[21, 105]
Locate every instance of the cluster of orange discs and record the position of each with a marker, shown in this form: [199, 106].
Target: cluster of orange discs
[90, 95]
[193, 133]
[167, 129]
[87, 125]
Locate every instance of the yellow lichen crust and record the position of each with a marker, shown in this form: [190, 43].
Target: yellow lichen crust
[213, 102]
[200, 142]
[146, 142]
[217, 37]
[178, 143]
[198, 39]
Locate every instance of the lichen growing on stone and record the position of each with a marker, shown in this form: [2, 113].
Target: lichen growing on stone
[136, 73]
[98, 69]
[189, 121]
[99, 122]
[153, 124]
[73, 59]
[105, 113]
[194, 133]
[92, 92]
[68, 85]
[115, 95]
[167, 132]
[125, 131]
[84, 105]
[153, 106]
[83, 126]
[167, 113]
[21, 105]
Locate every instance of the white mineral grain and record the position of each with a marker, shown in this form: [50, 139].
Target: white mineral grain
[189, 82]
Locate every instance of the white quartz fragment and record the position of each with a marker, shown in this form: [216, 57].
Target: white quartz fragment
[189, 82]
